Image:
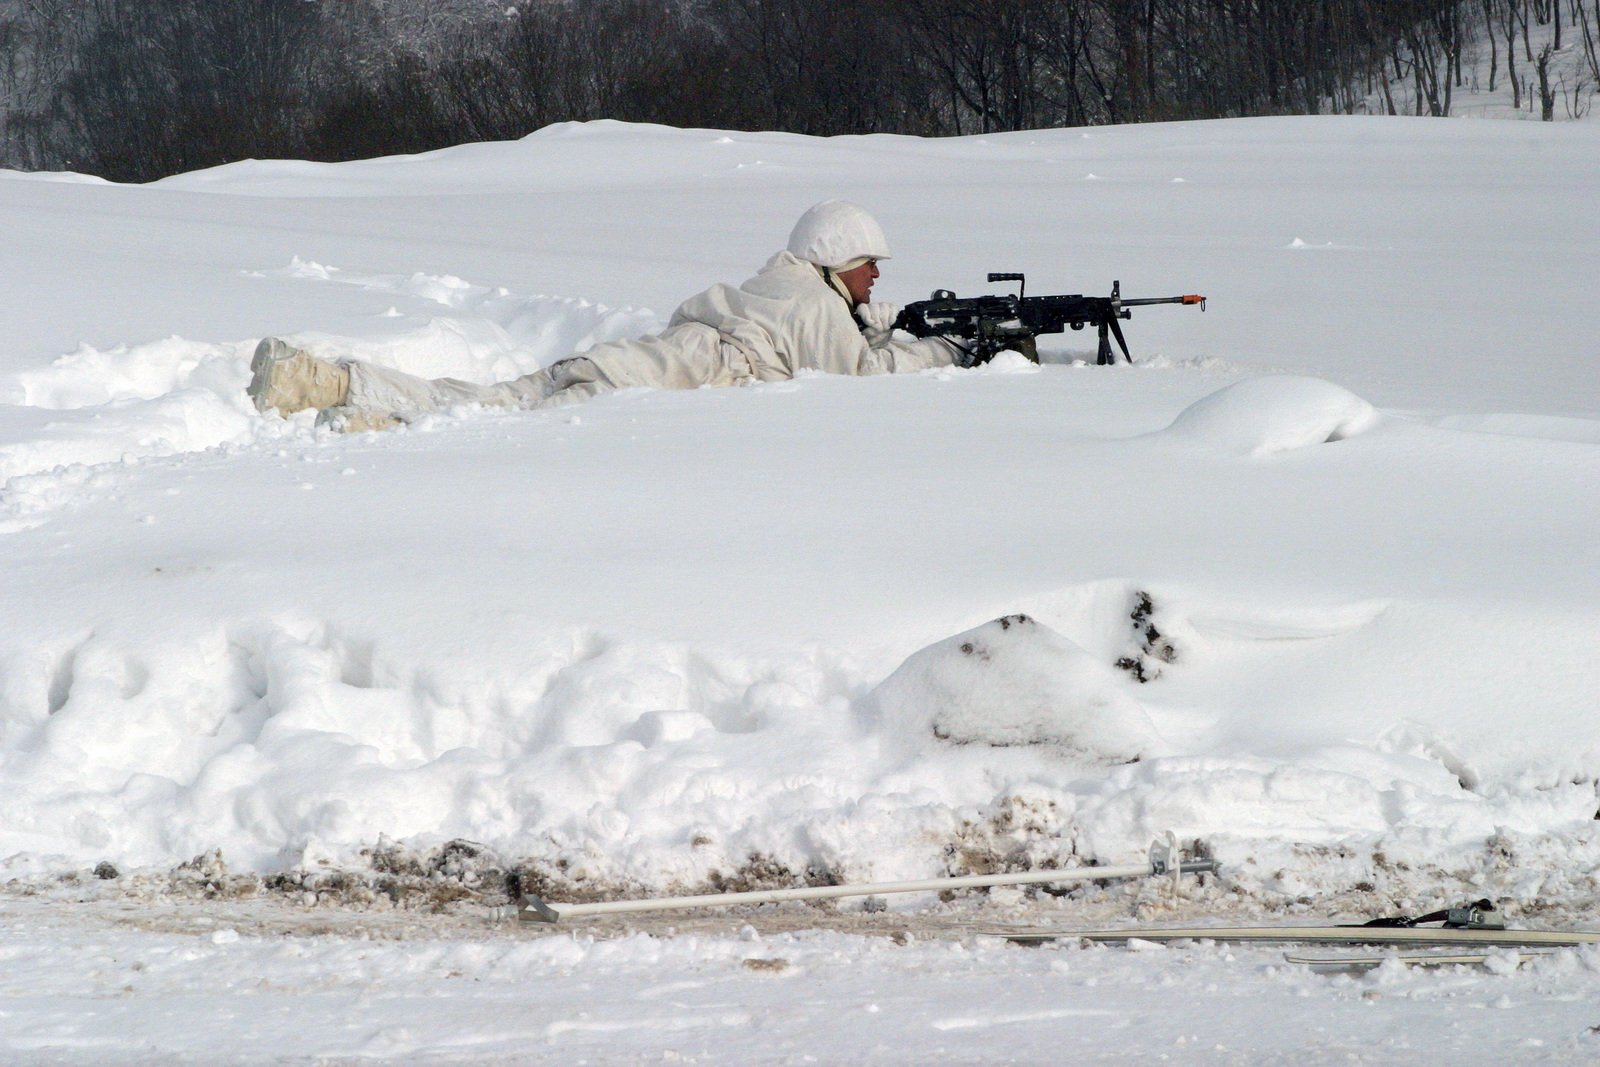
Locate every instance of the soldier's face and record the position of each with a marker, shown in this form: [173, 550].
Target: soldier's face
[858, 281]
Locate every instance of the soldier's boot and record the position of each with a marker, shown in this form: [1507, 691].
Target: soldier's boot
[289, 379]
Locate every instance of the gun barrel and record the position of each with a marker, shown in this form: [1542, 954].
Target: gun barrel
[1187, 299]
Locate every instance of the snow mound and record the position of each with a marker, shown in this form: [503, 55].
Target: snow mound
[1014, 681]
[1278, 413]
[132, 402]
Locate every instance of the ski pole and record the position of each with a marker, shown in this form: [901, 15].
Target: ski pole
[1163, 861]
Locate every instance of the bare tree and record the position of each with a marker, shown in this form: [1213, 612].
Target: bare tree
[988, 57]
[1588, 26]
[1547, 92]
[159, 86]
[133, 89]
[38, 38]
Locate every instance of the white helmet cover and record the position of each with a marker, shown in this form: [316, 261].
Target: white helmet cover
[836, 232]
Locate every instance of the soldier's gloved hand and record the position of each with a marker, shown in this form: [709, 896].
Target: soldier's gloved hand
[877, 321]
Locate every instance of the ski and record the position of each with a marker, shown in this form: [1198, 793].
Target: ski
[1163, 861]
[1313, 935]
[1410, 959]
[1476, 924]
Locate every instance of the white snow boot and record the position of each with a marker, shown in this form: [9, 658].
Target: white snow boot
[290, 379]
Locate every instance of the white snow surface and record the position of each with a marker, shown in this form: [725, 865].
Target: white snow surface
[1342, 524]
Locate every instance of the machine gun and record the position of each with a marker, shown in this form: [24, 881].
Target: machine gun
[992, 324]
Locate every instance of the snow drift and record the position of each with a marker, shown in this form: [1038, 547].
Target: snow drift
[1015, 682]
[1276, 413]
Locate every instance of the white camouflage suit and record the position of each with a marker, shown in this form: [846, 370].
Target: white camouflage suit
[792, 316]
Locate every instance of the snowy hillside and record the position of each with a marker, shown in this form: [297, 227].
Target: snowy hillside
[1503, 61]
[1341, 525]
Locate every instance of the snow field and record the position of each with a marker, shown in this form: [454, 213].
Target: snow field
[1323, 561]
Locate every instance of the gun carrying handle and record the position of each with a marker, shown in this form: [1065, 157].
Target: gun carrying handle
[1008, 276]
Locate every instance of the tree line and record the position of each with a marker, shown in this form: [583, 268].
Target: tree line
[133, 90]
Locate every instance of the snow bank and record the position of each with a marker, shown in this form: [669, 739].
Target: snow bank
[1015, 682]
